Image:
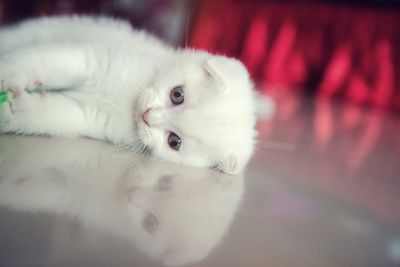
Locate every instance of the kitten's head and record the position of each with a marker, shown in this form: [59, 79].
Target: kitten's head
[199, 111]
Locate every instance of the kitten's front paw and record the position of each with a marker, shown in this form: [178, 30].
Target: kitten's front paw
[16, 84]
[12, 83]
[19, 100]
[5, 109]
[15, 102]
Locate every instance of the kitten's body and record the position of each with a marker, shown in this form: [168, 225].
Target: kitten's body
[82, 76]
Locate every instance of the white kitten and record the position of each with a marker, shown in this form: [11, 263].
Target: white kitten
[98, 77]
[161, 208]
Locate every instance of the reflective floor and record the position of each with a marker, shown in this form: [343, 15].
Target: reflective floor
[322, 190]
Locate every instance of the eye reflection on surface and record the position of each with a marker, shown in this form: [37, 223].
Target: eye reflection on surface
[166, 183]
[150, 223]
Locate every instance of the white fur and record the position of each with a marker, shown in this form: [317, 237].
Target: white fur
[95, 77]
[113, 191]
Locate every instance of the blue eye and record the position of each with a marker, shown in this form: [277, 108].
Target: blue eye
[176, 95]
[174, 141]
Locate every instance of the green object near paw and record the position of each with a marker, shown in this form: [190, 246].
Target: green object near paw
[3, 97]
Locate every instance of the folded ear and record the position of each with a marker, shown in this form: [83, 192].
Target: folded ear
[224, 69]
[231, 165]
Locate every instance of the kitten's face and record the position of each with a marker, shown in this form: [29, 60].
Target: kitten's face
[200, 112]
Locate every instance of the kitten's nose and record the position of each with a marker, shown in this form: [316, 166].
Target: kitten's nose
[145, 116]
[153, 117]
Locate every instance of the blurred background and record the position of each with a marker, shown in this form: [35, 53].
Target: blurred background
[345, 50]
[333, 67]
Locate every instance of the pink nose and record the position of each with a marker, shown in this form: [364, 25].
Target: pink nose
[145, 116]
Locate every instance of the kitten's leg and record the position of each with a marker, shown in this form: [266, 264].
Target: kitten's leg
[36, 113]
[27, 75]
[46, 68]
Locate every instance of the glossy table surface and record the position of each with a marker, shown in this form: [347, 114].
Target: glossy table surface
[323, 189]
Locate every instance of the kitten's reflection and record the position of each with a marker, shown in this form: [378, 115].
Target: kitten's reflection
[175, 214]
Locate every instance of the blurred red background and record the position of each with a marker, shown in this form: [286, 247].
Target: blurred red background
[330, 50]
